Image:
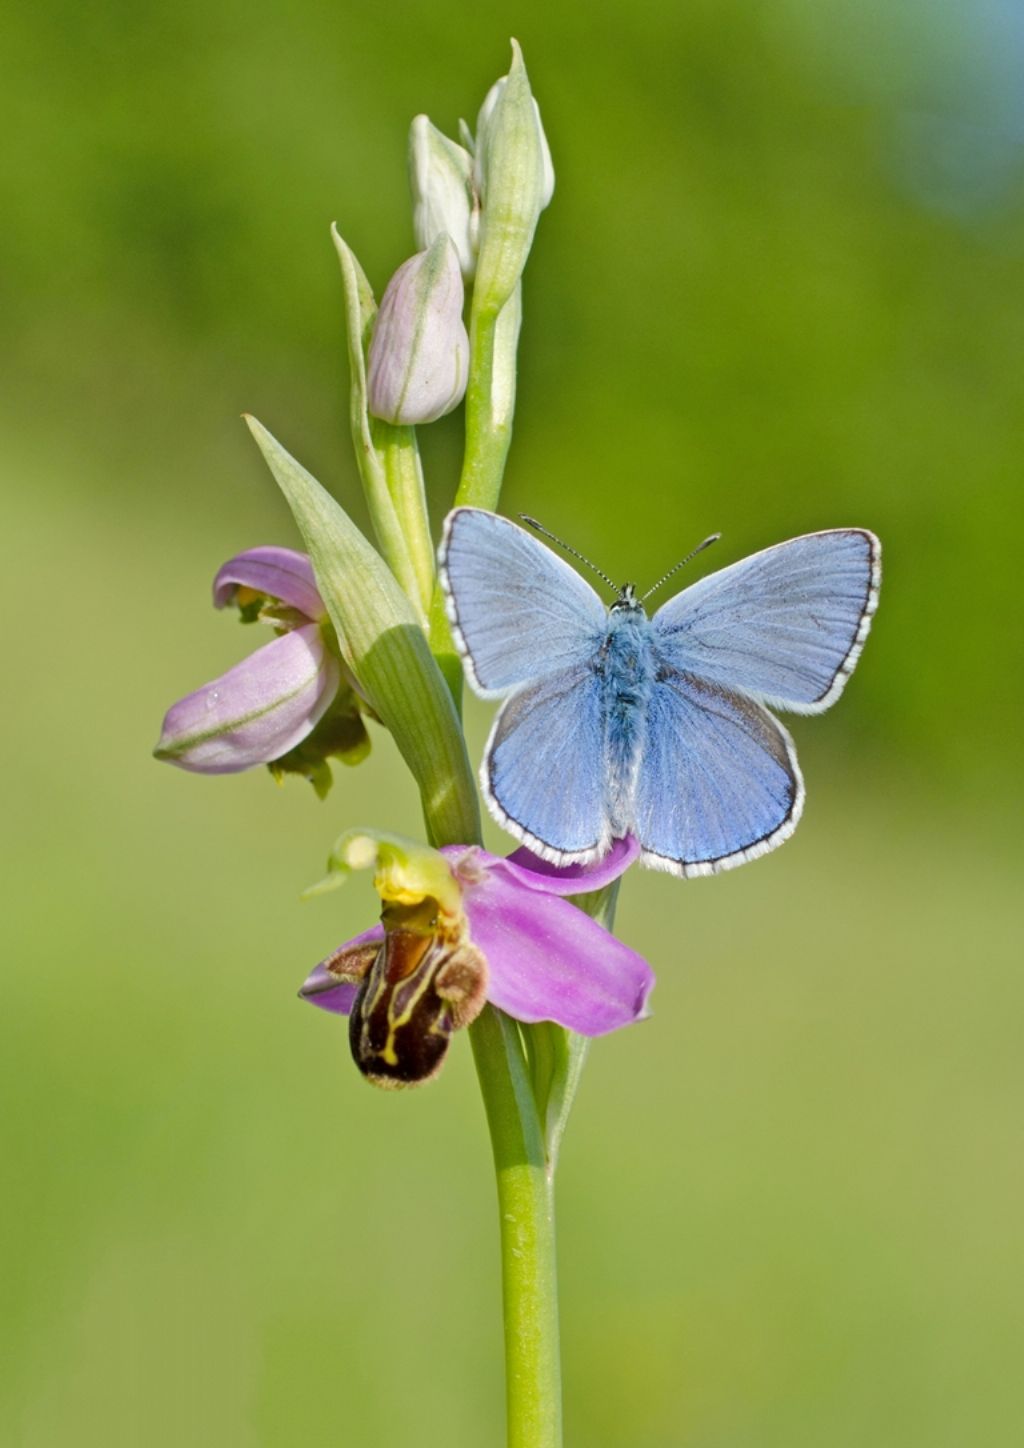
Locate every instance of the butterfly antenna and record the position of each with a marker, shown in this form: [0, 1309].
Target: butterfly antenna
[682, 563]
[538, 528]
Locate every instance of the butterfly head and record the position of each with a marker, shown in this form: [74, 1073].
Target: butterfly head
[627, 601]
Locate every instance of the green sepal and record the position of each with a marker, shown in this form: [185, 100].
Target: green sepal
[251, 610]
[340, 734]
[384, 648]
[490, 403]
[316, 772]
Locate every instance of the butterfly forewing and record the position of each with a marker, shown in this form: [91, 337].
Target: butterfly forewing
[517, 611]
[718, 781]
[785, 625]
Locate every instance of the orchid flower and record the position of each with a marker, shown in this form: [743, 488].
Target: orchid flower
[460, 927]
[290, 704]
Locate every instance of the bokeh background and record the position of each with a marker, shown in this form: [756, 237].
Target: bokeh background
[780, 288]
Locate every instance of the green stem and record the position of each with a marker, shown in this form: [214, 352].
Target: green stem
[525, 1178]
[525, 1182]
[490, 405]
[443, 648]
[490, 401]
[412, 561]
[526, 1218]
[526, 1215]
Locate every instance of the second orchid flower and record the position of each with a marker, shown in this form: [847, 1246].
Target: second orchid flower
[290, 705]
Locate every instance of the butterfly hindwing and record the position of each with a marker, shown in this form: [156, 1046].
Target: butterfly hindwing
[543, 769]
[517, 611]
[785, 625]
[717, 783]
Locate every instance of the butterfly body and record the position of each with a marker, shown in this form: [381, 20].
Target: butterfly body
[615, 723]
[625, 665]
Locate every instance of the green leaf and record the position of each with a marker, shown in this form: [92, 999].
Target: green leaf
[384, 647]
[556, 1058]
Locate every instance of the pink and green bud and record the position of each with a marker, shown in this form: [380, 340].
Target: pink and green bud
[289, 704]
[419, 353]
[443, 194]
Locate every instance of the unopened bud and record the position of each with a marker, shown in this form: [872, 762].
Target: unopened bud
[515, 179]
[419, 354]
[484, 124]
[444, 198]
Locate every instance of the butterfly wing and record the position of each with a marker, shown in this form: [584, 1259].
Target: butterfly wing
[543, 771]
[786, 625]
[718, 783]
[517, 611]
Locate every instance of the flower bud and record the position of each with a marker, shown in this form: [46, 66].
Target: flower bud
[515, 179]
[485, 121]
[419, 354]
[444, 198]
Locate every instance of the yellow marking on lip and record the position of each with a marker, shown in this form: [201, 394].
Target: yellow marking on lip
[395, 1024]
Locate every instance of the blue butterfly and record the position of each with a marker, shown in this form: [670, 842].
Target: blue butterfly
[616, 723]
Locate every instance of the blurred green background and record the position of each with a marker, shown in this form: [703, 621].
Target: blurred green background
[780, 288]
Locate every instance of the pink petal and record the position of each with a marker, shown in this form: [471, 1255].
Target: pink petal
[547, 961]
[255, 712]
[540, 874]
[276, 572]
